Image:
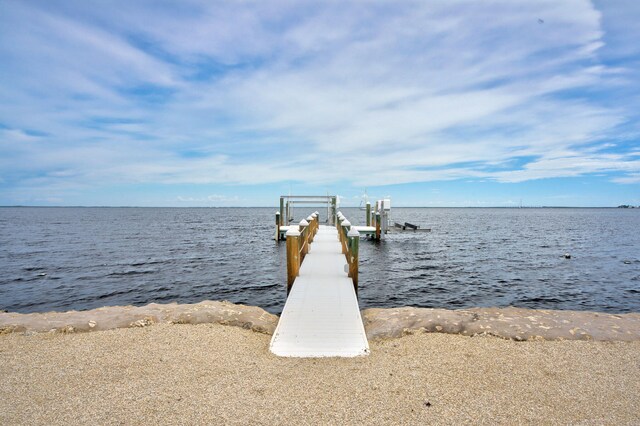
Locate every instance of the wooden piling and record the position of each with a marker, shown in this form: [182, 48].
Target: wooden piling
[281, 211]
[354, 247]
[316, 223]
[345, 226]
[293, 257]
[312, 224]
[378, 226]
[368, 213]
[304, 240]
[334, 208]
[277, 226]
[288, 215]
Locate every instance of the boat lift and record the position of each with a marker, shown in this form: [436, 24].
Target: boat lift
[378, 216]
[288, 202]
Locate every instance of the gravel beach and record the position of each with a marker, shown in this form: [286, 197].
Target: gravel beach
[216, 374]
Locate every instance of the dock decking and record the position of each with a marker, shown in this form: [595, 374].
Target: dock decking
[321, 317]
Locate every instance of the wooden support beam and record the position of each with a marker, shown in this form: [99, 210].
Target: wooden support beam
[293, 257]
[282, 211]
[345, 226]
[354, 246]
[368, 213]
[304, 240]
[311, 225]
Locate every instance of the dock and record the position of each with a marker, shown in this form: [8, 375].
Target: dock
[321, 317]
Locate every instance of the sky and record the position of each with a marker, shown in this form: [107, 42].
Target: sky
[234, 103]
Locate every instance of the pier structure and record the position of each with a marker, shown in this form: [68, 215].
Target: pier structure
[321, 317]
[376, 218]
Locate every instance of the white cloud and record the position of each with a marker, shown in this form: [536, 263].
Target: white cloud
[629, 179]
[364, 93]
[570, 166]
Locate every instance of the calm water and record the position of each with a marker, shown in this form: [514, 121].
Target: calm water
[83, 258]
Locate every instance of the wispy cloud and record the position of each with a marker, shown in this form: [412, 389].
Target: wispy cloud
[362, 93]
[630, 178]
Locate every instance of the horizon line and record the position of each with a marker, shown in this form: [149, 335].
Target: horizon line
[345, 207]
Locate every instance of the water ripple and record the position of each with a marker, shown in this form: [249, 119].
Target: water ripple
[82, 258]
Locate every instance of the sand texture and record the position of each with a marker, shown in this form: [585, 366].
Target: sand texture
[215, 374]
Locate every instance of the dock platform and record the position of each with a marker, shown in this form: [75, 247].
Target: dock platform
[321, 317]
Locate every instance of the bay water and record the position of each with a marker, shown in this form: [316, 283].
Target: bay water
[83, 258]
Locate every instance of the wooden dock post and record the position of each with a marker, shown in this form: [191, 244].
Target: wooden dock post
[316, 223]
[354, 246]
[277, 226]
[293, 257]
[378, 226]
[310, 220]
[368, 213]
[304, 240]
[345, 226]
[334, 208]
[313, 226]
[281, 211]
[340, 219]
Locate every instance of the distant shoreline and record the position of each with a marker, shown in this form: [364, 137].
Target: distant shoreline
[344, 207]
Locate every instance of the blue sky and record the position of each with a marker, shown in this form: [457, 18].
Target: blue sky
[206, 103]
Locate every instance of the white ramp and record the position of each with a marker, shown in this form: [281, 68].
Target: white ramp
[321, 317]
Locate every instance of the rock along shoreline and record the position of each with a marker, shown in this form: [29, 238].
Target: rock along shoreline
[517, 324]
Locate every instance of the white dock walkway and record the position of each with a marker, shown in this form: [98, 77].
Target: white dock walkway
[321, 317]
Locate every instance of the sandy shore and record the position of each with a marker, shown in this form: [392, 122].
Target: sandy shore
[216, 374]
